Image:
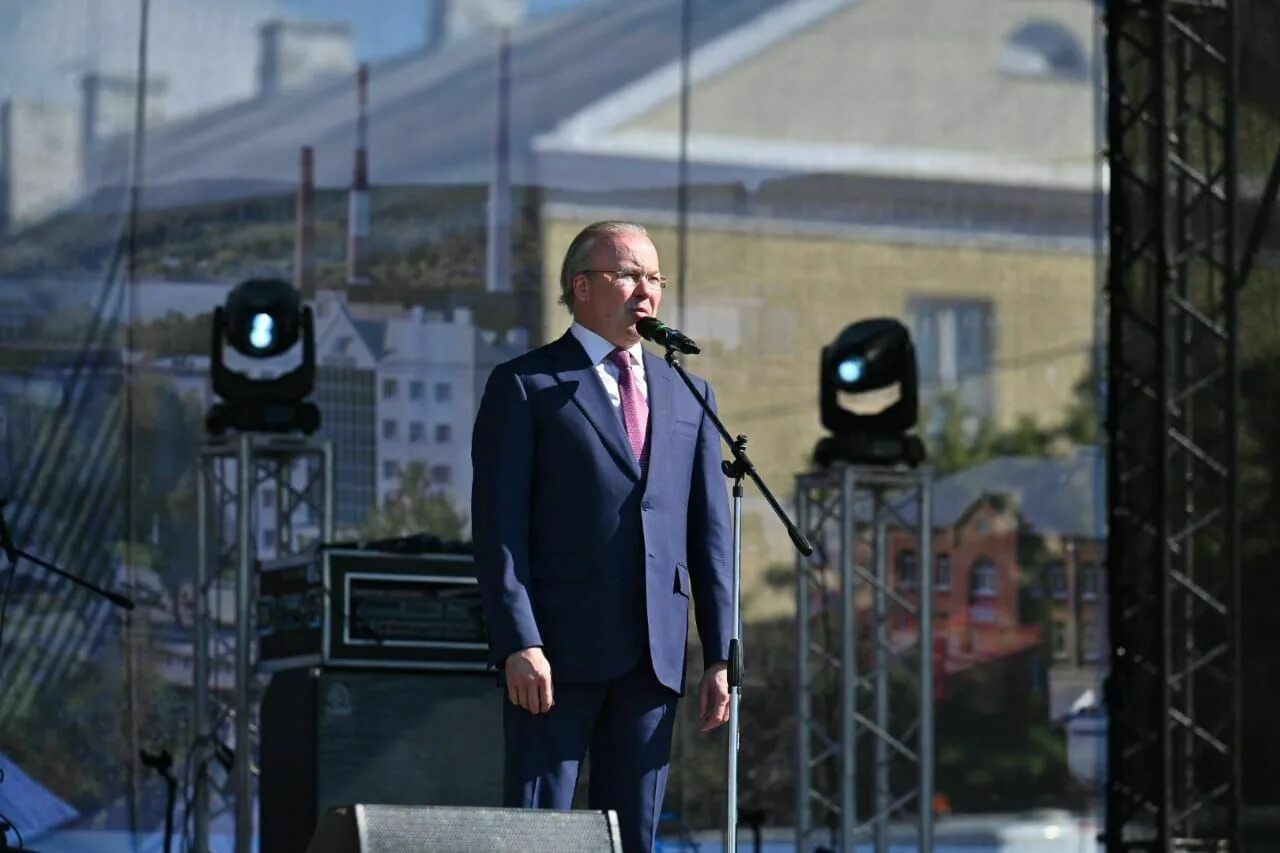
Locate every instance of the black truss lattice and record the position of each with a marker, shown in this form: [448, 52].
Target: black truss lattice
[1173, 765]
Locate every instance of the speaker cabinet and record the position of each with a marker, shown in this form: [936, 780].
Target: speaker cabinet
[408, 738]
[398, 829]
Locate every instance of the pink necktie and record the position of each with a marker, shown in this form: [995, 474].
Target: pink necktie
[635, 411]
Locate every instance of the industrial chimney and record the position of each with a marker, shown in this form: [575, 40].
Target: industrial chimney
[304, 256]
[358, 199]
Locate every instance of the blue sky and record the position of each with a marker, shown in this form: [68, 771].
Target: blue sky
[206, 50]
[388, 27]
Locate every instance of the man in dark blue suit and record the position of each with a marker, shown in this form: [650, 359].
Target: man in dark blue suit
[598, 510]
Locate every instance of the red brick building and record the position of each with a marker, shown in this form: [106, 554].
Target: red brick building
[1018, 561]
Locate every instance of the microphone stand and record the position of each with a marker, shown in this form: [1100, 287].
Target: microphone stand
[162, 763]
[739, 467]
[13, 553]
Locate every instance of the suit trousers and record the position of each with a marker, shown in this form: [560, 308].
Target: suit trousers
[624, 724]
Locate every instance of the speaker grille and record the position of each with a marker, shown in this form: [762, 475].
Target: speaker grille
[460, 829]
[337, 737]
[408, 739]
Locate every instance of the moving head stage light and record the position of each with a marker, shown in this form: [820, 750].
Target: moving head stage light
[867, 391]
[263, 319]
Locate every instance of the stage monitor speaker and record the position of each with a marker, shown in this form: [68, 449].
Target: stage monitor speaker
[412, 738]
[442, 829]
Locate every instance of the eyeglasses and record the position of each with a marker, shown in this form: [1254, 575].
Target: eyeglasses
[631, 278]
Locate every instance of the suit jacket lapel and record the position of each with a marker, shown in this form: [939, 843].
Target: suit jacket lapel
[658, 377]
[590, 396]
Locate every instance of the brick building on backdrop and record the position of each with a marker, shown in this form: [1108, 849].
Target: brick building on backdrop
[1018, 555]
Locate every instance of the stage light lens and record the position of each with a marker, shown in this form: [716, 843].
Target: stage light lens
[851, 370]
[262, 317]
[868, 396]
[262, 333]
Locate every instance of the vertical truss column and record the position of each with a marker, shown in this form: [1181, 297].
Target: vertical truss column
[1173, 751]
[232, 474]
[847, 675]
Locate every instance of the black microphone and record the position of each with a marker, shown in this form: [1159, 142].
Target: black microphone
[653, 329]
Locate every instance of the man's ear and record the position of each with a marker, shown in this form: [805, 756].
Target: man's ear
[581, 288]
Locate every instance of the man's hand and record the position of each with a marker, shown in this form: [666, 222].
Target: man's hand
[713, 696]
[529, 680]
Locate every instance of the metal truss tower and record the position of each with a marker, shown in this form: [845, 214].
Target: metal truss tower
[1173, 559]
[255, 491]
[848, 706]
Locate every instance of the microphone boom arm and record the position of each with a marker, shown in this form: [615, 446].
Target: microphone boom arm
[741, 464]
[13, 553]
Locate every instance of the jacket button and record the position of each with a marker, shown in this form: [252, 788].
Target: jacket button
[646, 505]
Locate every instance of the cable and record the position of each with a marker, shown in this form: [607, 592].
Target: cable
[4, 606]
[6, 825]
[682, 163]
[131, 309]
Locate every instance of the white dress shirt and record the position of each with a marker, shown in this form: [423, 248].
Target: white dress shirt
[598, 350]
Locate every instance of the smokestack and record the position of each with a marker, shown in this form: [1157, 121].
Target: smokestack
[498, 243]
[304, 236]
[358, 200]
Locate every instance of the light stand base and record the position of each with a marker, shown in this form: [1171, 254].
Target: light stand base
[263, 416]
[869, 449]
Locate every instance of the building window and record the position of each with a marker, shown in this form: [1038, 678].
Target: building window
[1057, 579]
[417, 390]
[389, 389]
[268, 498]
[444, 433]
[268, 538]
[942, 572]
[390, 469]
[441, 475]
[390, 429]
[1089, 640]
[1059, 628]
[907, 569]
[444, 392]
[1089, 581]
[1044, 48]
[955, 345]
[417, 432]
[982, 579]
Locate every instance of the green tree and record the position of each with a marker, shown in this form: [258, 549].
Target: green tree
[961, 440]
[415, 507]
[165, 433]
[75, 739]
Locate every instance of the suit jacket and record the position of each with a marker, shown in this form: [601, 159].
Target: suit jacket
[576, 550]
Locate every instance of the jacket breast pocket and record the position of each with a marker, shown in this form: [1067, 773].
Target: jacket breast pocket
[685, 427]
